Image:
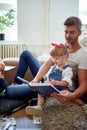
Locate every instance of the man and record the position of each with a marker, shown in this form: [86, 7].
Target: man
[77, 60]
[77, 56]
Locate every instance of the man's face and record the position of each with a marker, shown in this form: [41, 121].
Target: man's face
[71, 34]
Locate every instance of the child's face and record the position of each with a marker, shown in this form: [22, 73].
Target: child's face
[58, 60]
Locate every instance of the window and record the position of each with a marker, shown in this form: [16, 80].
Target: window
[11, 32]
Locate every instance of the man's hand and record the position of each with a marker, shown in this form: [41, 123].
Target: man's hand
[64, 96]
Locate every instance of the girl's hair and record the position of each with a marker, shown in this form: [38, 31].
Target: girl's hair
[59, 50]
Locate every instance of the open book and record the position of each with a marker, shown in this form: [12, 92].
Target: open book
[46, 89]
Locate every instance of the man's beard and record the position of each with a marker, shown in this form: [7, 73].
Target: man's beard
[69, 43]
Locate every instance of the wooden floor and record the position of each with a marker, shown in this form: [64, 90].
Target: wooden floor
[23, 120]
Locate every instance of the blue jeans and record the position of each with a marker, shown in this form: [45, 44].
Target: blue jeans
[20, 91]
[27, 59]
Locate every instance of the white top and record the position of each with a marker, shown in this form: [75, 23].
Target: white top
[67, 75]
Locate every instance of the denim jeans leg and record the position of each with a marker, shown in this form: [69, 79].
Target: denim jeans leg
[20, 91]
[27, 59]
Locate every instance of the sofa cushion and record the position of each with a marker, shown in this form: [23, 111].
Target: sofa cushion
[11, 61]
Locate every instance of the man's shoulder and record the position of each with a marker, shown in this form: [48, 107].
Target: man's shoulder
[82, 51]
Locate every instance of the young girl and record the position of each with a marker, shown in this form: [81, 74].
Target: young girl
[60, 76]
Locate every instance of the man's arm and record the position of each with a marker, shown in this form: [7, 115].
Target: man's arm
[66, 96]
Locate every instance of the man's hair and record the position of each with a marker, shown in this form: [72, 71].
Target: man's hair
[73, 21]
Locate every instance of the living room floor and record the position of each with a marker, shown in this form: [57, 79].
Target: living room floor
[23, 120]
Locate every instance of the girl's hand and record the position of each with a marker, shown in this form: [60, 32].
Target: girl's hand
[34, 80]
[52, 81]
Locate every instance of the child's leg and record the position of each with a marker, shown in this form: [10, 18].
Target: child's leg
[36, 110]
[41, 100]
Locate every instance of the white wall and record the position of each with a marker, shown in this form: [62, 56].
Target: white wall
[59, 11]
[41, 21]
[33, 21]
